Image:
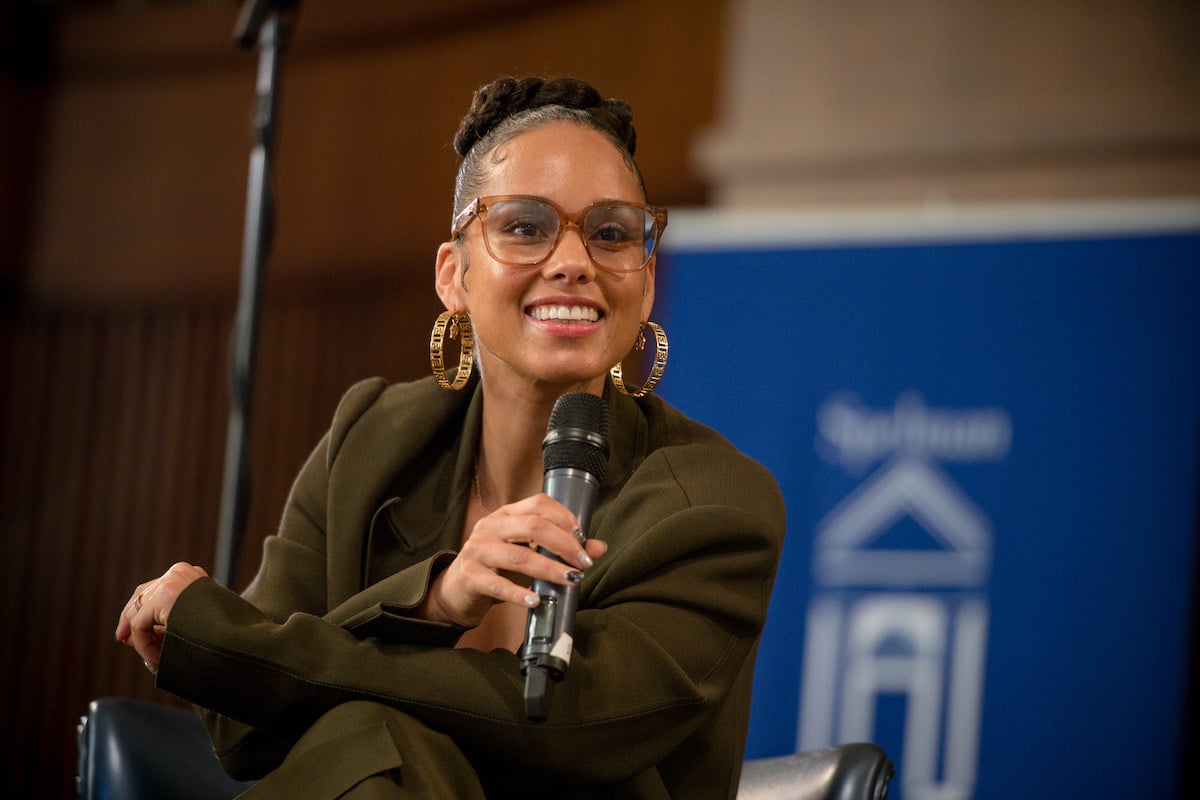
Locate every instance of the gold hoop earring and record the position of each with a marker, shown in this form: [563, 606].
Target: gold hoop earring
[660, 362]
[460, 328]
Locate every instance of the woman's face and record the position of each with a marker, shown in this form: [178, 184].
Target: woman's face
[518, 342]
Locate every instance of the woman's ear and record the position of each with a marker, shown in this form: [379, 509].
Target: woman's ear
[648, 289]
[448, 278]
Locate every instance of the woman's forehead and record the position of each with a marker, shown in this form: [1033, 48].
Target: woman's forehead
[562, 157]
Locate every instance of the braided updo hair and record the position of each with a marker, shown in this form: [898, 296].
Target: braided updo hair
[507, 107]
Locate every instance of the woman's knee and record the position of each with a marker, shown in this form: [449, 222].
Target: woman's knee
[430, 764]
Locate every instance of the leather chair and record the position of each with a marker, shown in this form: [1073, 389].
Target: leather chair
[857, 771]
[135, 750]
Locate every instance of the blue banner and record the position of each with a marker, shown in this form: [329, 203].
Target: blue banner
[988, 446]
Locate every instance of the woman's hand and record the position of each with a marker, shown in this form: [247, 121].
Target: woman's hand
[144, 619]
[499, 560]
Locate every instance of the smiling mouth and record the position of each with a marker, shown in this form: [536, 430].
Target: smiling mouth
[565, 313]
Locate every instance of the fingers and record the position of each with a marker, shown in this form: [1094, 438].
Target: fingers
[143, 621]
[596, 548]
[537, 521]
[133, 607]
[535, 538]
[138, 630]
[472, 587]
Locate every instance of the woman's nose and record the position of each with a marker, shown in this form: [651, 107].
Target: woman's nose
[570, 259]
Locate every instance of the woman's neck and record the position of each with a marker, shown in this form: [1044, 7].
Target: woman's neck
[509, 466]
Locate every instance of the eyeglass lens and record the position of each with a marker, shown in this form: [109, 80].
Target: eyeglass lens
[525, 231]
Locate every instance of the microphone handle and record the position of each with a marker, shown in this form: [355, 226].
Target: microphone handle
[549, 638]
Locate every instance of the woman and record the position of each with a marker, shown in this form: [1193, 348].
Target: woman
[373, 655]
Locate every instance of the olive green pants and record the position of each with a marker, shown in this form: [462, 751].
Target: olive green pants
[367, 751]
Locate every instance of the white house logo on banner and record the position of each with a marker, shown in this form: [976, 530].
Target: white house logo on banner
[891, 620]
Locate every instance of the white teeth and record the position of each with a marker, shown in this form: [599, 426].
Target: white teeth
[571, 313]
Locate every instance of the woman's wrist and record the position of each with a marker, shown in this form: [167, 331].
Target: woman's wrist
[430, 608]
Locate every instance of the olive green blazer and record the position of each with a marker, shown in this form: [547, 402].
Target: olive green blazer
[657, 698]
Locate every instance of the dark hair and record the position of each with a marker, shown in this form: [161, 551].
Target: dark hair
[508, 107]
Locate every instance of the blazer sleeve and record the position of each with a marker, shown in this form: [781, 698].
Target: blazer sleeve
[668, 621]
[292, 579]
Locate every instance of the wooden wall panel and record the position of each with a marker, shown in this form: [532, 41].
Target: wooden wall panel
[111, 471]
[91, 440]
[143, 183]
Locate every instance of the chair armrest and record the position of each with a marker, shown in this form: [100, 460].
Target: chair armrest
[132, 749]
[859, 771]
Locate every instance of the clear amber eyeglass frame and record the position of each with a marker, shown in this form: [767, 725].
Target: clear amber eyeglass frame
[478, 208]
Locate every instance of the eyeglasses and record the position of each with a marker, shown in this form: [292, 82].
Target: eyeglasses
[523, 231]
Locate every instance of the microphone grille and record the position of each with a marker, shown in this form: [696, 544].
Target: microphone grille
[581, 410]
[577, 435]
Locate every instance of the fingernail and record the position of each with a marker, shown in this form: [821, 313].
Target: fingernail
[574, 576]
[585, 559]
[532, 600]
[579, 537]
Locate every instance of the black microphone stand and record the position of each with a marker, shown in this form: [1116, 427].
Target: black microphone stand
[266, 23]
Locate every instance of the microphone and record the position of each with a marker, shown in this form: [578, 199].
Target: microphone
[574, 458]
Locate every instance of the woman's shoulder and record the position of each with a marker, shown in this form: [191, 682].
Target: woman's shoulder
[669, 428]
[359, 397]
[707, 467]
[374, 404]
[368, 391]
